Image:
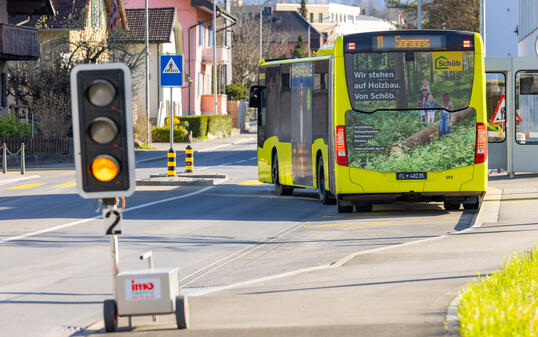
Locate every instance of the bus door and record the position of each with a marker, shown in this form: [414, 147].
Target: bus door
[512, 103]
[301, 122]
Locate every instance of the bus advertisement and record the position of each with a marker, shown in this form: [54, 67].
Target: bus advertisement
[379, 117]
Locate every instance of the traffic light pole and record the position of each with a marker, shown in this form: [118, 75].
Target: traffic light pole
[171, 153]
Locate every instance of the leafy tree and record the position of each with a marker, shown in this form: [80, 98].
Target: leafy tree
[299, 50]
[440, 14]
[303, 10]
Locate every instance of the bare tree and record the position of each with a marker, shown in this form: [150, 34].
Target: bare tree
[245, 44]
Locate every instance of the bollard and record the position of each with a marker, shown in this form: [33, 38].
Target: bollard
[189, 159]
[23, 159]
[171, 162]
[4, 158]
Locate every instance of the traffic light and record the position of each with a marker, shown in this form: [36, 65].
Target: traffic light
[103, 130]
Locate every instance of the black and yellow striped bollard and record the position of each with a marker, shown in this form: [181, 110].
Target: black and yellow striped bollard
[189, 159]
[171, 162]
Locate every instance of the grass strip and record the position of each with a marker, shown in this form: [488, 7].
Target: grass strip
[504, 303]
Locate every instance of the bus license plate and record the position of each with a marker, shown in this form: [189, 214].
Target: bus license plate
[411, 176]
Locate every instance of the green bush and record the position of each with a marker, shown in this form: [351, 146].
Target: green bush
[236, 92]
[10, 127]
[162, 134]
[220, 124]
[197, 124]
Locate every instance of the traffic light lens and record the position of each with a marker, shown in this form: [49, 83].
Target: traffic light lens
[103, 130]
[105, 168]
[101, 93]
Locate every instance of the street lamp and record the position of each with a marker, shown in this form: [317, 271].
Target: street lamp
[309, 26]
[261, 20]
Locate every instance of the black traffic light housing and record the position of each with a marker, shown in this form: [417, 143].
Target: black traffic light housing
[103, 130]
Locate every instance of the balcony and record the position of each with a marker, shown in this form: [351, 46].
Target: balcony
[222, 55]
[18, 43]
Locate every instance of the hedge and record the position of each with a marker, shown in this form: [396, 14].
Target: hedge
[202, 125]
[162, 134]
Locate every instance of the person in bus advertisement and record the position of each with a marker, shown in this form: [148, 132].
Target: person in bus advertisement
[430, 106]
[447, 116]
[423, 99]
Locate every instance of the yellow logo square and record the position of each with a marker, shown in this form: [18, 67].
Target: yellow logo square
[448, 61]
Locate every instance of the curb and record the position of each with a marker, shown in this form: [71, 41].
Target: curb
[184, 179]
[489, 213]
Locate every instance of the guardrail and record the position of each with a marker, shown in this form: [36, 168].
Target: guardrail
[5, 151]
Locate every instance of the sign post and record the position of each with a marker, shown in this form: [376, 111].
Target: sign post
[171, 76]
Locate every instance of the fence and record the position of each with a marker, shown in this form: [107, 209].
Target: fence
[38, 145]
[5, 151]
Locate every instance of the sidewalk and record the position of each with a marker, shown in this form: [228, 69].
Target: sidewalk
[401, 290]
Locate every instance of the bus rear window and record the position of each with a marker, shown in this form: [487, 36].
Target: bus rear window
[409, 80]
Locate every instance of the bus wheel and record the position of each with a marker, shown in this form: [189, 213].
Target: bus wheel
[279, 189]
[325, 196]
[475, 204]
[343, 208]
[363, 207]
[451, 206]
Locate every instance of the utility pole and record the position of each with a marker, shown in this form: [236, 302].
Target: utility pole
[419, 14]
[214, 55]
[148, 129]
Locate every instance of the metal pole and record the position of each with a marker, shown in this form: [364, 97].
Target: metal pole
[115, 262]
[419, 14]
[214, 32]
[4, 158]
[483, 24]
[148, 133]
[309, 39]
[23, 159]
[261, 8]
[171, 121]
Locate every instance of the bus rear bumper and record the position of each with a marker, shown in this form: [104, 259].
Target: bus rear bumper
[411, 196]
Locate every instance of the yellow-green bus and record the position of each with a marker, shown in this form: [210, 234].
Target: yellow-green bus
[378, 117]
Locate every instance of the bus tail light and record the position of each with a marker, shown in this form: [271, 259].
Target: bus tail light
[341, 152]
[481, 152]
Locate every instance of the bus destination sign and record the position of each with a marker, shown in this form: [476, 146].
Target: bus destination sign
[407, 42]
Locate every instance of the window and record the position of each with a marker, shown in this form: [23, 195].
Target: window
[201, 35]
[311, 17]
[210, 32]
[95, 13]
[496, 106]
[526, 107]
[320, 17]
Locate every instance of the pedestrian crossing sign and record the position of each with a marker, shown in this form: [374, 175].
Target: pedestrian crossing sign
[171, 74]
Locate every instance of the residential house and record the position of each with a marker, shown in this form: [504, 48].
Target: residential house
[289, 24]
[333, 19]
[165, 37]
[77, 24]
[18, 43]
[195, 17]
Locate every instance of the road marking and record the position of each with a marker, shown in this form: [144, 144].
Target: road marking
[8, 181]
[22, 187]
[253, 158]
[251, 183]
[241, 161]
[78, 222]
[226, 164]
[66, 184]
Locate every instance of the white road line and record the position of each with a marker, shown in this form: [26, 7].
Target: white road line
[226, 164]
[78, 222]
[253, 158]
[241, 161]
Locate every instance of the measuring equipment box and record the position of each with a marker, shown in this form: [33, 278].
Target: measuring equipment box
[147, 291]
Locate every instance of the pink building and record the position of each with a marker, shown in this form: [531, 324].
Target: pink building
[195, 18]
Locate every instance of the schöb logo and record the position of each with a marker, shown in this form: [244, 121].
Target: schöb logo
[447, 61]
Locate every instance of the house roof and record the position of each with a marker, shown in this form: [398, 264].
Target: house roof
[70, 14]
[207, 5]
[161, 21]
[30, 7]
[293, 24]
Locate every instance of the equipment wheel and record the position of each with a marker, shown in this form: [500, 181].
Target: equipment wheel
[473, 205]
[451, 206]
[110, 315]
[325, 196]
[363, 207]
[279, 189]
[343, 208]
[182, 312]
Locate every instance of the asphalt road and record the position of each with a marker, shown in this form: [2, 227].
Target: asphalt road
[56, 268]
